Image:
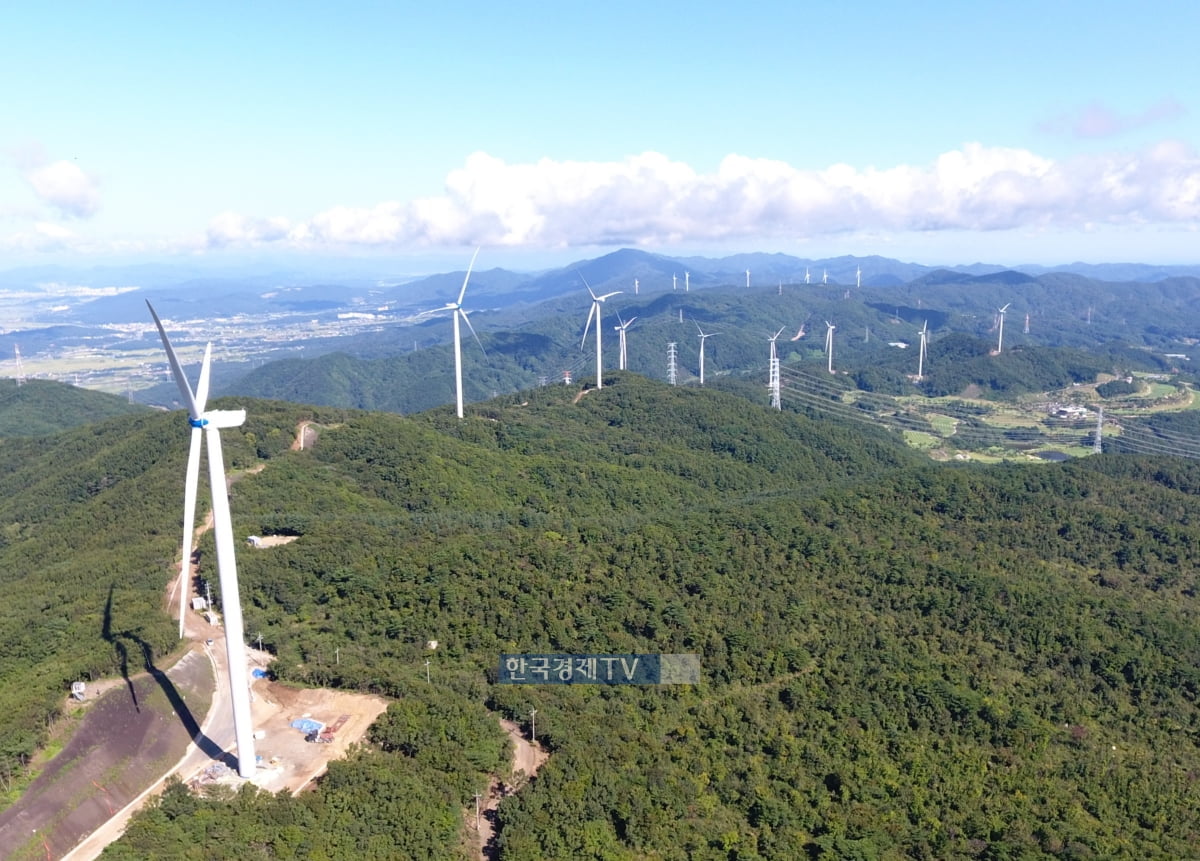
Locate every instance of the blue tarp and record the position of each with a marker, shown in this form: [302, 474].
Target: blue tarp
[258, 674]
[306, 725]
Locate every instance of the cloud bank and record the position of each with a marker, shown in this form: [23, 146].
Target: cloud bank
[66, 187]
[651, 200]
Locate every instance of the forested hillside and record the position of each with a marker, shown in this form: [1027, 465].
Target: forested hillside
[41, 407]
[899, 659]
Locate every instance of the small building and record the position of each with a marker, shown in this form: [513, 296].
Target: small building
[254, 540]
[199, 604]
[78, 690]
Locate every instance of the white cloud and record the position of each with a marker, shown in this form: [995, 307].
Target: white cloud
[229, 228]
[1099, 121]
[650, 200]
[66, 187]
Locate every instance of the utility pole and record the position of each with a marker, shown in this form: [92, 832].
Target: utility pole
[476, 811]
[427, 670]
[533, 725]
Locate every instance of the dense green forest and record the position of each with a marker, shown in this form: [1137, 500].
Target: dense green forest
[42, 407]
[900, 659]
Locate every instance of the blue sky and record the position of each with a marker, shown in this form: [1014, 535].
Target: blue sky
[1014, 132]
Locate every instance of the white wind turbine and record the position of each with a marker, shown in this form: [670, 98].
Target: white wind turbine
[806, 276]
[921, 352]
[824, 276]
[687, 276]
[703, 337]
[211, 422]
[829, 327]
[456, 309]
[747, 279]
[858, 276]
[624, 325]
[674, 282]
[1000, 339]
[595, 314]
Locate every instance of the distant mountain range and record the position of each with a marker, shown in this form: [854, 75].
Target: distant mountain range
[187, 292]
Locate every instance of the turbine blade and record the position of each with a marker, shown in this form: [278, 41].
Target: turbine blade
[191, 478]
[467, 277]
[606, 295]
[587, 328]
[467, 320]
[185, 389]
[629, 322]
[202, 385]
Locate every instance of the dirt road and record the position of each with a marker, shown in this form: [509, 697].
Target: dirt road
[527, 759]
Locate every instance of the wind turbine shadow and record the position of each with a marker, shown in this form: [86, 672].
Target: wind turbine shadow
[122, 652]
[209, 747]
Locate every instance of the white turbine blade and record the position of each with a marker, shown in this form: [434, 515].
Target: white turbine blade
[202, 385]
[606, 295]
[629, 322]
[185, 389]
[225, 418]
[587, 328]
[467, 320]
[191, 478]
[466, 278]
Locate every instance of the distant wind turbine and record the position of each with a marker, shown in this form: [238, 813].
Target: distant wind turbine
[1000, 338]
[747, 279]
[806, 276]
[621, 329]
[635, 287]
[829, 327]
[456, 309]
[824, 276]
[674, 281]
[207, 426]
[595, 314]
[687, 281]
[858, 276]
[703, 337]
[921, 352]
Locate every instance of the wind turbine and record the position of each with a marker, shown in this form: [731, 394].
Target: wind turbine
[824, 276]
[703, 337]
[456, 309]
[806, 276]
[921, 352]
[858, 276]
[747, 279]
[1000, 339]
[595, 314]
[635, 287]
[829, 327]
[211, 422]
[687, 282]
[624, 324]
[674, 282]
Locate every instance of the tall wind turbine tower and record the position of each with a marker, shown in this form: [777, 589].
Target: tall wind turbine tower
[807, 279]
[773, 372]
[829, 327]
[703, 337]
[595, 314]
[687, 281]
[456, 309]
[747, 279]
[207, 425]
[858, 276]
[674, 282]
[921, 352]
[635, 287]
[824, 276]
[621, 328]
[1000, 338]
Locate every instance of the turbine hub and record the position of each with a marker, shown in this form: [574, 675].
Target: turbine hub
[198, 423]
